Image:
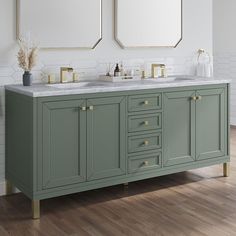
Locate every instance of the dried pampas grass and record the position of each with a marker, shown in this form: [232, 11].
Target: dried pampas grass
[27, 55]
[23, 60]
[33, 58]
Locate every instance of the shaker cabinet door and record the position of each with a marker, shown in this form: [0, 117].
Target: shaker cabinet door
[179, 128]
[63, 143]
[211, 123]
[106, 137]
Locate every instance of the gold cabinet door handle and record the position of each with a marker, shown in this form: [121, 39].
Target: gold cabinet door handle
[146, 143]
[194, 98]
[146, 102]
[145, 163]
[146, 123]
[199, 97]
[91, 108]
[83, 108]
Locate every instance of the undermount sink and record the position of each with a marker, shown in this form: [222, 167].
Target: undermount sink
[171, 79]
[78, 85]
[186, 78]
[163, 80]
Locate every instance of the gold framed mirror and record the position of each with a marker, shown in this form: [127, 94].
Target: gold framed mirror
[148, 23]
[61, 24]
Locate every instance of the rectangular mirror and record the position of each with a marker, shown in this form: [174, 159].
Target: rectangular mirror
[61, 23]
[148, 23]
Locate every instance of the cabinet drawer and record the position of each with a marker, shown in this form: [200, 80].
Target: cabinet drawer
[144, 142]
[144, 102]
[144, 163]
[144, 122]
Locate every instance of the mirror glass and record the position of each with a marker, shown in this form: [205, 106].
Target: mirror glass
[61, 23]
[148, 23]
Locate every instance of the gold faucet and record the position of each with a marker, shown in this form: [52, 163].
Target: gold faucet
[155, 72]
[64, 70]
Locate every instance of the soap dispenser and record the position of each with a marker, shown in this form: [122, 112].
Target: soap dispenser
[117, 70]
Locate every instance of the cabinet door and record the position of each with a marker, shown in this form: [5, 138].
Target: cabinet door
[179, 128]
[64, 143]
[211, 123]
[106, 156]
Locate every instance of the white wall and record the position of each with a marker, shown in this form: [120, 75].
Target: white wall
[224, 41]
[223, 26]
[197, 34]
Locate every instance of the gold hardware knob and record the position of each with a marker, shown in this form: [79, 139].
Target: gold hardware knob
[145, 163]
[146, 102]
[199, 97]
[84, 108]
[91, 108]
[146, 122]
[194, 98]
[146, 143]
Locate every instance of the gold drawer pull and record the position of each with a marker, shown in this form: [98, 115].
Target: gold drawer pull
[146, 102]
[199, 97]
[194, 98]
[146, 122]
[146, 143]
[83, 108]
[91, 108]
[145, 163]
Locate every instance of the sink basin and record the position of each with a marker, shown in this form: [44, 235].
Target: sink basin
[186, 78]
[160, 80]
[170, 79]
[98, 84]
[78, 85]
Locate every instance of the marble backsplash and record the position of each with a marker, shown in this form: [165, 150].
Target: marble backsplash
[11, 74]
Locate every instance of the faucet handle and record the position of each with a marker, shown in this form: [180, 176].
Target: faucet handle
[75, 77]
[163, 70]
[51, 78]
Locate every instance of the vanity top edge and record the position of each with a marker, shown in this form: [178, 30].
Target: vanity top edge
[45, 90]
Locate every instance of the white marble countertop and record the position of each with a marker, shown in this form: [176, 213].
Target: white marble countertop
[44, 90]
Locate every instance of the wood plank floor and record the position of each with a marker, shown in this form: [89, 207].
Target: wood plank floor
[195, 203]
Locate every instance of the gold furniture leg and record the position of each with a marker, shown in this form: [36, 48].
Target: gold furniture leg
[9, 188]
[36, 209]
[226, 169]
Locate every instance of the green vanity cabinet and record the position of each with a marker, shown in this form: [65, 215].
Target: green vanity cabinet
[65, 144]
[81, 140]
[179, 128]
[63, 136]
[211, 123]
[106, 126]
[195, 125]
